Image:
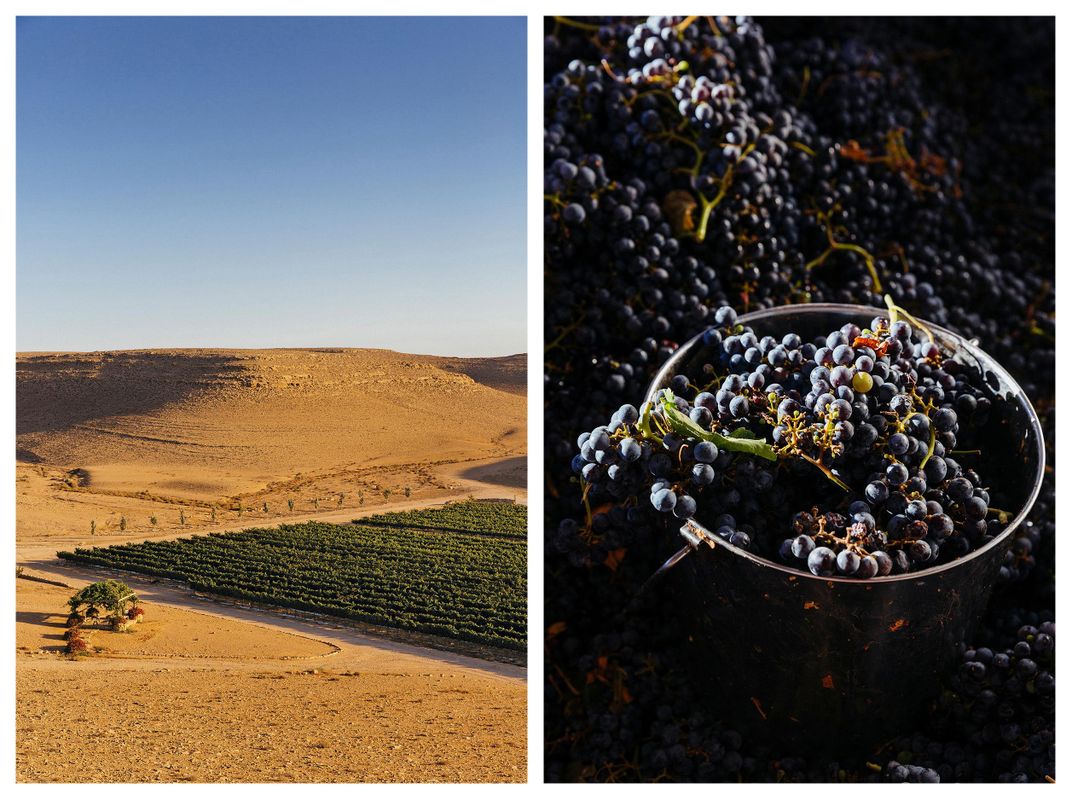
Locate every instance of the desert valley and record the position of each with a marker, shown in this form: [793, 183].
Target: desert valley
[131, 446]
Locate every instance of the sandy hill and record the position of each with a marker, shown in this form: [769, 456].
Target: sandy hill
[268, 426]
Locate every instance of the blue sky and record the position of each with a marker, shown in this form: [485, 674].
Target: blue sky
[271, 182]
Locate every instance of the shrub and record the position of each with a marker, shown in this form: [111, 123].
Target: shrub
[76, 645]
[75, 620]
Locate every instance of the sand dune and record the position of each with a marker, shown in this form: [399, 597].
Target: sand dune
[141, 434]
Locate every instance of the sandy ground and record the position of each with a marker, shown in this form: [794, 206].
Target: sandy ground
[170, 632]
[206, 696]
[176, 442]
[149, 441]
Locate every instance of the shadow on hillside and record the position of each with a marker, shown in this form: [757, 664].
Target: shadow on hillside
[506, 373]
[57, 391]
[510, 472]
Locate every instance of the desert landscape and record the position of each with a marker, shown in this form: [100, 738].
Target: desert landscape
[157, 444]
[208, 438]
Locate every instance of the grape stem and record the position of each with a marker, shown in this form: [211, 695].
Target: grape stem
[896, 310]
[685, 23]
[804, 81]
[565, 332]
[930, 449]
[707, 206]
[572, 23]
[834, 246]
[825, 470]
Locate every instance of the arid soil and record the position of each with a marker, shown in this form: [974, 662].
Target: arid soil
[127, 446]
[41, 614]
[150, 441]
[199, 696]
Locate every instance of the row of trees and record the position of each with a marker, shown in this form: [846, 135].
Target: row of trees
[154, 521]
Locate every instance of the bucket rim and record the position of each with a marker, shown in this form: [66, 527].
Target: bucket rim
[970, 346]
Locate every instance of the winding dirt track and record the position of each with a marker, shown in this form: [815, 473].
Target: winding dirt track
[367, 709]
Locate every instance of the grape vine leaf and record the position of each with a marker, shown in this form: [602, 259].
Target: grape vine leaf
[735, 442]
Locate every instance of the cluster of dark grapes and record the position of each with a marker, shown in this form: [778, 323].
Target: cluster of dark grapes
[863, 423]
[994, 720]
[694, 163]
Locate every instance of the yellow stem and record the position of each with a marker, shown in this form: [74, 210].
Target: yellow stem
[572, 23]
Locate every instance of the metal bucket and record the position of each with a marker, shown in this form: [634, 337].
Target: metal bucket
[808, 660]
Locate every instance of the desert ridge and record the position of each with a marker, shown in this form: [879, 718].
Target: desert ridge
[214, 436]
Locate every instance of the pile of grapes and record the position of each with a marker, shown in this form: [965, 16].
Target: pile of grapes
[769, 426]
[694, 166]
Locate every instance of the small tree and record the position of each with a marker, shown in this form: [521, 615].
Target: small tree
[341, 498]
[361, 498]
[182, 517]
[93, 527]
[152, 520]
[110, 595]
[265, 507]
[406, 492]
[386, 494]
[316, 503]
[122, 523]
[213, 515]
[290, 504]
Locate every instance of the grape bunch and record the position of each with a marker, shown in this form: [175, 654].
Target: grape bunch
[861, 423]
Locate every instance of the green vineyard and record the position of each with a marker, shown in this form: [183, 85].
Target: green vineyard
[457, 571]
[497, 519]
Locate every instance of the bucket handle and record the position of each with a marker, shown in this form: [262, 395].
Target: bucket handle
[694, 535]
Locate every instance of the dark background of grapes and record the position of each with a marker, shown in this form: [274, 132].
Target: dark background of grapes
[961, 234]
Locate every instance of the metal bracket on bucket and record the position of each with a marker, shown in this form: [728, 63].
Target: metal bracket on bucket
[694, 535]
